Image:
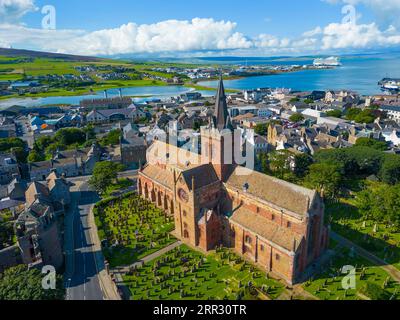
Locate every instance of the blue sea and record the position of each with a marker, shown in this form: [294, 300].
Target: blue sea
[360, 73]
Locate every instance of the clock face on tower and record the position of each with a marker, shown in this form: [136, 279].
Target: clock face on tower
[183, 195]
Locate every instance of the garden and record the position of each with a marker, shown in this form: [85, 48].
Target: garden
[372, 282]
[186, 274]
[131, 228]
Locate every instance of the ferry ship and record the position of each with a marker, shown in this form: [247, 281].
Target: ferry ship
[327, 62]
[390, 84]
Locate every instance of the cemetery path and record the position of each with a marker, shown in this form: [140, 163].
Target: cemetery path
[118, 272]
[390, 269]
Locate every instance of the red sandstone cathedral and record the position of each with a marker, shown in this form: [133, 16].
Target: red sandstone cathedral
[276, 224]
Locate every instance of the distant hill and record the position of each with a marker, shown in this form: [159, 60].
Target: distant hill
[48, 55]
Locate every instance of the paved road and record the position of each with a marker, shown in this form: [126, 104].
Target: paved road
[125, 174]
[82, 280]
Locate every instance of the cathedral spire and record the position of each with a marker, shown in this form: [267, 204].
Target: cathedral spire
[221, 116]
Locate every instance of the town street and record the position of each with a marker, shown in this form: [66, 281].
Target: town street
[82, 274]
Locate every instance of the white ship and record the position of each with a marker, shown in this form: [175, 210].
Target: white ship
[327, 62]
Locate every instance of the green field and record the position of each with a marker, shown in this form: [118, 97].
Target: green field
[133, 228]
[187, 274]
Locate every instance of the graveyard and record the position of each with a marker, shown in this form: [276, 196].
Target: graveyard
[371, 281]
[131, 228]
[380, 239]
[189, 275]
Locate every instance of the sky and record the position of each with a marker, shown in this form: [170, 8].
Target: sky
[185, 28]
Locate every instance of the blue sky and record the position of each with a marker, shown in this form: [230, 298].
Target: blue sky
[234, 27]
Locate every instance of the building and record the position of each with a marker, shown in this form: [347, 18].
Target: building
[276, 224]
[110, 115]
[393, 112]
[8, 168]
[70, 163]
[133, 147]
[37, 228]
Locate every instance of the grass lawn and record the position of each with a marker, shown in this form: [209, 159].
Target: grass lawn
[119, 185]
[190, 275]
[348, 222]
[328, 285]
[133, 228]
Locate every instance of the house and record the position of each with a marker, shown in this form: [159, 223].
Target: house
[37, 229]
[133, 147]
[70, 163]
[110, 115]
[9, 168]
[393, 112]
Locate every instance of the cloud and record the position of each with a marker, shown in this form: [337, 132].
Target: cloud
[166, 36]
[348, 35]
[12, 10]
[386, 11]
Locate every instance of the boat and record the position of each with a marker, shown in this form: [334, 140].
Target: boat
[390, 84]
[327, 62]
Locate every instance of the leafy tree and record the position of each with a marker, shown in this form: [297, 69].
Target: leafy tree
[334, 113]
[104, 174]
[35, 156]
[295, 99]
[112, 138]
[308, 101]
[261, 129]
[19, 283]
[324, 177]
[69, 136]
[380, 202]
[302, 164]
[42, 143]
[390, 170]
[361, 116]
[6, 144]
[280, 164]
[297, 117]
[372, 143]
[19, 153]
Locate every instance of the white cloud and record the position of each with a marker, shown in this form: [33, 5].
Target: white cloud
[12, 10]
[386, 11]
[166, 36]
[344, 36]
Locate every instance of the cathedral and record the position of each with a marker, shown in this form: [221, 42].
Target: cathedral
[275, 224]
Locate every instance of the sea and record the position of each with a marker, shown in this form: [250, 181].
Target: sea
[360, 73]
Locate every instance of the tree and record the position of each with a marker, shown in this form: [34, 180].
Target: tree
[380, 202]
[361, 116]
[69, 136]
[324, 177]
[104, 174]
[42, 143]
[302, 163]
[19, 283]
[372, 143]
[390, 169]
[112, 138]
[262, 129]
[334, 113]
[35, 156]
[6, 144]
[308, 101]
[280, 163]
[297, 117]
